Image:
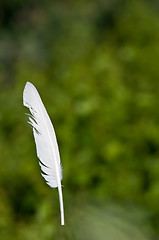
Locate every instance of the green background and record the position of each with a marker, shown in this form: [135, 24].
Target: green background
[96, 67]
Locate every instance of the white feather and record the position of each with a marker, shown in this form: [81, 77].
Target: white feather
[45, 139]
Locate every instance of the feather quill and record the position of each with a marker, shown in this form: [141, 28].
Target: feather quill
[45, 140]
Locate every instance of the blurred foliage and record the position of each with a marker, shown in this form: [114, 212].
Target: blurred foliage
[95, 65]
[95, 221]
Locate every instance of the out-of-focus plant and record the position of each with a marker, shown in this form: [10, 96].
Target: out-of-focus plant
[96, 221]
